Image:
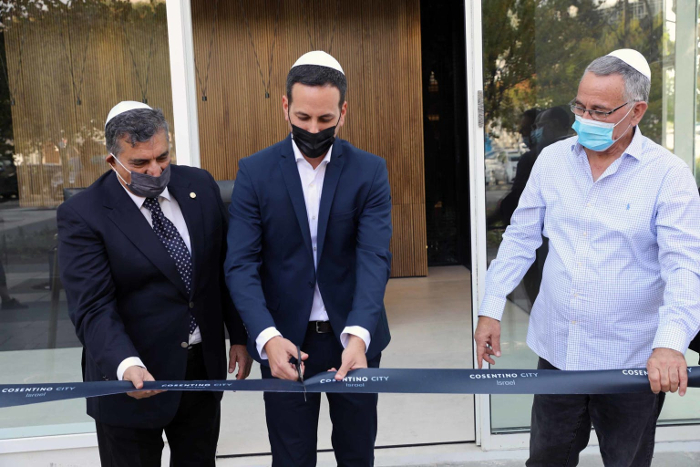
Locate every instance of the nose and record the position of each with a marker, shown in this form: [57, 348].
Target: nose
[154, 169]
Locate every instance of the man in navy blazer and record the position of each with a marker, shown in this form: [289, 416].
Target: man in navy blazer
[141, 253]
[307, 264]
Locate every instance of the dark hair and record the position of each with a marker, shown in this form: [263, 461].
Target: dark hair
[531, 113]
[315, 75]
[559, 115]
[138, 126]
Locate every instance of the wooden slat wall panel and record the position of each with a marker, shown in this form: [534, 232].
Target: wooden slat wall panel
[46, 109]
[379, 46]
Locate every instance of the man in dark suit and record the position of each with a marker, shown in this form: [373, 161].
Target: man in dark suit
[141, 253]
[307, 265]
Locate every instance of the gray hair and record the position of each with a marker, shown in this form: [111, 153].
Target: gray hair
[135, 126]
[637, 85]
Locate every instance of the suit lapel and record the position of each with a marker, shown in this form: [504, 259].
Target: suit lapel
[330, 183]
[191, 209]
[127, 218]
[290, 173]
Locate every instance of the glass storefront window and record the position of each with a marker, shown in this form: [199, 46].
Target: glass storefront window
[534, 56]
[63, 66]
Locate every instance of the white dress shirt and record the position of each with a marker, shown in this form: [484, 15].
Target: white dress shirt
[312, 184]
[622, 276]
[171, 210]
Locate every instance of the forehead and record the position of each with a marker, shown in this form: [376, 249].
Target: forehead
[601, 90]
[152, 148]
[315, 99]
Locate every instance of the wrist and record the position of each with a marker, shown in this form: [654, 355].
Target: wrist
[356, 342]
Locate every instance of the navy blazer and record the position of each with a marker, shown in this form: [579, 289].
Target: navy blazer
[126, 297]
[269, 265]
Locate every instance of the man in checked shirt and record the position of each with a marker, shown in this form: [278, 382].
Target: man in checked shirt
[620, 286]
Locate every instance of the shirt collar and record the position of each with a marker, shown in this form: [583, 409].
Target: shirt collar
[299, 156]
[635, 148]
[139, 200]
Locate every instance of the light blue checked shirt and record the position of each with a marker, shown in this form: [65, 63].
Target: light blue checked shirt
[622, 274]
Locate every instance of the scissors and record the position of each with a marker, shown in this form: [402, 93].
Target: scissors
[297, 364]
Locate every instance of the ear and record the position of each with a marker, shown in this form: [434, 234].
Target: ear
[640, 109]
[110, 159]
[343, 114]
[285, 107]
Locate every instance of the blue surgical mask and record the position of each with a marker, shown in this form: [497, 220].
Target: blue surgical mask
[536, 135]
[597, 136]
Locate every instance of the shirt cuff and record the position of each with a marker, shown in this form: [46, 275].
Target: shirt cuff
[492, 307]
[263, 338]
[126, 363]
[670, 337]
[358, 331]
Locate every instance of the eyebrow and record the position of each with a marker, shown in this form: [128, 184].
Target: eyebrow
[595, 107]
[299, 113]
[143, 161]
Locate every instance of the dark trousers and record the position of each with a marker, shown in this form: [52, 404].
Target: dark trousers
[292, 423]
[192, 434]
[625, 425]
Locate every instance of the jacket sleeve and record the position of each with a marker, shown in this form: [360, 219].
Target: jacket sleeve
[243, 257]
[372, 252]
[232, 319]
[90, 291]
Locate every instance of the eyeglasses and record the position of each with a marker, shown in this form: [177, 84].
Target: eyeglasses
[595, 114]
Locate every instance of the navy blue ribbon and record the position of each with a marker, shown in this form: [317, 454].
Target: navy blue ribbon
[371, 380]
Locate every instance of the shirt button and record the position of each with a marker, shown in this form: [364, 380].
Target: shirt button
[311, 185]
[314, 248]
[575, 295]
[585, 234]
[191, 304]
[589, 205]
[573, 322]
[313, 218]
[579, 263]
[184, 345]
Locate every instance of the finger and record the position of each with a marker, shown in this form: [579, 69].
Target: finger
[333, 369]
[284, 371]
[683, 381]
[231, 362]
[673, 379]
[496, 345]
[479, 356]
[246, 368]
[340, 374]
[304, 355]
[654, 380]
[137, 381]
[489, 359]
[665, 380]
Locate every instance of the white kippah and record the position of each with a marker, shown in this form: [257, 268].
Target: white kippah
[125, 106]
[633, 59]
[320, 58]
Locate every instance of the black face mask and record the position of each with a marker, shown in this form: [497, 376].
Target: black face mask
[313, 145]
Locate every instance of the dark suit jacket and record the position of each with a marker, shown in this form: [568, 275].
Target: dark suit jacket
[126, 297]
[270, 267]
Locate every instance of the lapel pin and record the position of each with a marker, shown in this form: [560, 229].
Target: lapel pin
[193, 195]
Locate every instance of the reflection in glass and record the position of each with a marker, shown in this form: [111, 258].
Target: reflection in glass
[534, 54]
[63, 65]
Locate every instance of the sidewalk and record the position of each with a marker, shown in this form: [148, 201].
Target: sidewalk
[672, 454]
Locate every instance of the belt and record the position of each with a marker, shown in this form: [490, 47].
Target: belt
[320, 327]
